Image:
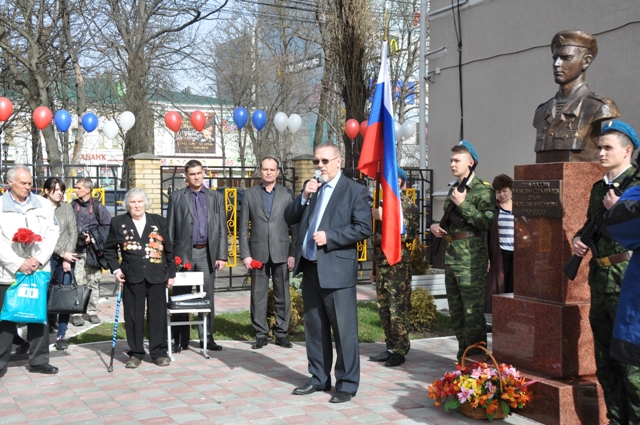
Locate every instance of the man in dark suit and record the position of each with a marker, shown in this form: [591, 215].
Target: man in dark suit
[147, 266]
[263, 205]
[333, 216]
[196, 218]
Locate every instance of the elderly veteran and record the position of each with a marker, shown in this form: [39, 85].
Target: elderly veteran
[618, 376]
[147, 266]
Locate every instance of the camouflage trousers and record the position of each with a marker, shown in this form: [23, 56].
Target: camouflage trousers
[620, 383]
[465, 293]
[393, 291]
[89, 276]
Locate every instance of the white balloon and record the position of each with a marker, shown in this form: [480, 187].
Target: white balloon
[408, 128]
[110, 129]
[126, 120]
[398, 130]
[280, 121]
[294, 123]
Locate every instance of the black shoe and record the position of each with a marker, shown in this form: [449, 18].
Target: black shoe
[2, 372]
[341, 397]
[382, 357]
[282, 341]
[62, 344]
[310, 389]
[260, 342]
[176, 348]
[395, 360]
[46, 368]
[24, 348]
[211, 345]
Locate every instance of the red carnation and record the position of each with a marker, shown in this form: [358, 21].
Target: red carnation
[187, 266]
[255, 264]
[178, 260]
[26, 238]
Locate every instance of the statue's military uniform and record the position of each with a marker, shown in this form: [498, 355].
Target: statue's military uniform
[576, 127]
[393, 283]
[620, 383]
[465, 263]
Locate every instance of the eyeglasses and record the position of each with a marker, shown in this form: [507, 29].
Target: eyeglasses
[325, 161]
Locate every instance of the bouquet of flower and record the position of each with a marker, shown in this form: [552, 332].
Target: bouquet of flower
[255, 264]
[180, 266]
[480, 386]
[26, 239]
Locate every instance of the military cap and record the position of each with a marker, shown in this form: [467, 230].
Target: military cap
[575, 38]
[624, 128]
[469, 147]
[401, 174]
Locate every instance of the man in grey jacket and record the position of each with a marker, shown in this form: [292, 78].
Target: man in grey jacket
[20, 208]
[268, 242]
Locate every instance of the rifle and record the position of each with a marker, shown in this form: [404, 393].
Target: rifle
[591, 232]
[450, 216]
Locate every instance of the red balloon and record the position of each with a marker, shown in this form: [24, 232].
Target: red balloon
[42, 117]
[198, 120]
[363, 127]
[352, 128]
[173, 120]
[6, 109]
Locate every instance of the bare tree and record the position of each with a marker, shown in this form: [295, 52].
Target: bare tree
[145, 42]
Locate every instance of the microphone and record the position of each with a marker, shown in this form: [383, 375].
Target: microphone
[316, 177]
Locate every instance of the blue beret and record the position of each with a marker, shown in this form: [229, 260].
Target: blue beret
[469, 147]
[402, 174]
[624, 128]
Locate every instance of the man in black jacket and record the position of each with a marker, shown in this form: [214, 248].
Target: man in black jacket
[90, 213]
[197, 223]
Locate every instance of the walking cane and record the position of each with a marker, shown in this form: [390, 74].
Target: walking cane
[115, 327]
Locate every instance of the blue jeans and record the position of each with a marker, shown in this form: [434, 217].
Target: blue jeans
[65, 278]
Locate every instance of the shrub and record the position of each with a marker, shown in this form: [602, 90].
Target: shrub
[423, 310]
[297, 311]
[419, 263]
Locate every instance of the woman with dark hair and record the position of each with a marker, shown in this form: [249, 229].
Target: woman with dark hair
[64, 256]
[500, 279]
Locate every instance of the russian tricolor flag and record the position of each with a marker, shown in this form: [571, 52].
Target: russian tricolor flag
[380, 145]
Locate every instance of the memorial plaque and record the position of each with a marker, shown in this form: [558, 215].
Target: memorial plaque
[537, 198]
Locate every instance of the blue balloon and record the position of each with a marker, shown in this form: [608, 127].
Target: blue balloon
[259, 119]
[240, 117]
[89, 121]
[62, 119]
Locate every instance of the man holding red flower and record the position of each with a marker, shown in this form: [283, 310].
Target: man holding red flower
[20, 209]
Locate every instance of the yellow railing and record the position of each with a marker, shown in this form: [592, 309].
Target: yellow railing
[97, 193]
[231, 207]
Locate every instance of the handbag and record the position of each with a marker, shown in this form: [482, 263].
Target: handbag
[68, 299]
[25, 300]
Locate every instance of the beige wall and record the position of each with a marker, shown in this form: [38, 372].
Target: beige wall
[507, 73]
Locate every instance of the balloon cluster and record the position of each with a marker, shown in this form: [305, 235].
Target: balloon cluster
[42, 117]
[404, 131]
[259, 120]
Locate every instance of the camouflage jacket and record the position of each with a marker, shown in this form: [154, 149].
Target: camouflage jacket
[606, 279]
[477, 211]
[411, 218]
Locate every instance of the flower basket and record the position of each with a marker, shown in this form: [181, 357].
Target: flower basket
[481, 391]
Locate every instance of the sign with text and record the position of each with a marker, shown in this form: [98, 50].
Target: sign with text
[188, 140]
[537, 198]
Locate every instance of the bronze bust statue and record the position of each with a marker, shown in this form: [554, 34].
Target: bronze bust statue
[568, 125]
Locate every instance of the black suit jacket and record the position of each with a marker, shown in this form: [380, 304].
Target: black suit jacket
[136, 264]
[180, 225]
[346, 221]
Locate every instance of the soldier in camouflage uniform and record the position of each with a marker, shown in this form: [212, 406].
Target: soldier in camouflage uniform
[620, 383]
[393, 283]
[466, 257]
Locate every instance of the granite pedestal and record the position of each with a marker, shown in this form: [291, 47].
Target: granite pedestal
[544, 326]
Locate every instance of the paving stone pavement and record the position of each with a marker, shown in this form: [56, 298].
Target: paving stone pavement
[236, 385]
